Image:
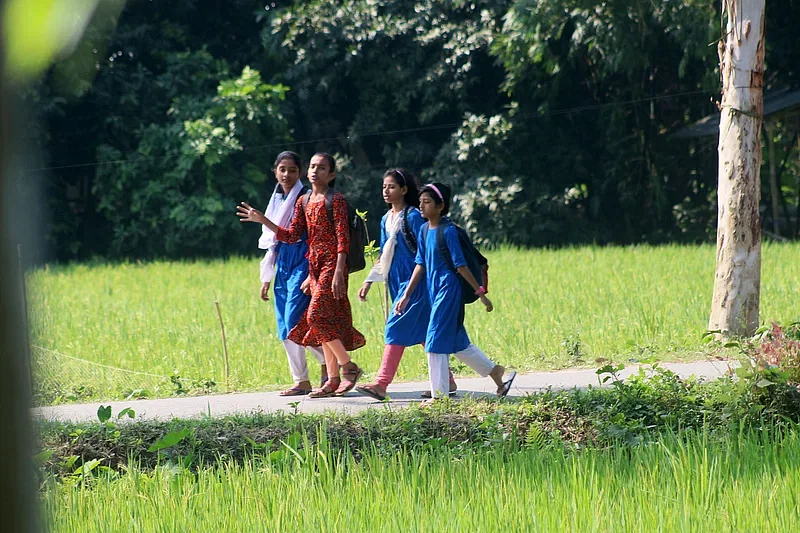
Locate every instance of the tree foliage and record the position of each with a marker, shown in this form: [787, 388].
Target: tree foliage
[551, 119]
[189, 173]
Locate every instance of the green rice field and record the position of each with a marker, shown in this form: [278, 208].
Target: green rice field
[743, 482]
[154, 327]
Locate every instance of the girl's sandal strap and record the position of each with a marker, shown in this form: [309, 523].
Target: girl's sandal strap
[295, 391]
[325, 391]
[349, 383]
[351, 373]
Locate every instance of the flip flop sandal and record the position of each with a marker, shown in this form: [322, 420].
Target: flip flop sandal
[295, 391]
[503, 392]
[369, 391]
[323, 392]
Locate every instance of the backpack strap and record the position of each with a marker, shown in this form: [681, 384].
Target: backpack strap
[328, 203]
[423, 238]
[329, 206]
[405, 228]
[441, 244]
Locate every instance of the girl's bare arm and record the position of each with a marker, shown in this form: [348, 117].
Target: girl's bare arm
[467, 275]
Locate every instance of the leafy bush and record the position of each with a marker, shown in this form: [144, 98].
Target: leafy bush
[779, 349]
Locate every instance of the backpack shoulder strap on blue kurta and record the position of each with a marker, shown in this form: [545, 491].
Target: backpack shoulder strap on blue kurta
[441, 244]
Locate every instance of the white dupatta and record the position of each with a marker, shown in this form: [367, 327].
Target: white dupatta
[280, 211]
[380, 271]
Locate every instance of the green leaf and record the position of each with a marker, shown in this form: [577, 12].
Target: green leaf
[42, 457]
[86, 468]
[104, 413]
[170, 439]
[127, 411]
[763, 383]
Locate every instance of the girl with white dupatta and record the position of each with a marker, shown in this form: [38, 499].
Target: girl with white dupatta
[399, 229]
[288, 265]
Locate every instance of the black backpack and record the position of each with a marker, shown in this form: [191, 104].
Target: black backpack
[358, 231]
[477, 264]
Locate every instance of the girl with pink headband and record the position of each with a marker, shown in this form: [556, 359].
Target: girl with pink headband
[446, 333]
[399, 236]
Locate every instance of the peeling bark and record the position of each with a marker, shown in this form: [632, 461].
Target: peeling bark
[737, 282]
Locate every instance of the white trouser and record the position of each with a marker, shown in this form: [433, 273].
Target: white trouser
[297, 359]
[439, 369]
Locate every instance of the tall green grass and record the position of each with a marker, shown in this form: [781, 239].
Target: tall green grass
[742, 483]
[554, 308]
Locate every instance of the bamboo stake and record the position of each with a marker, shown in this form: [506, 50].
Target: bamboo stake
[224, 343]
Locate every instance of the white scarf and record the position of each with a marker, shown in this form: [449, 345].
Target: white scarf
[280, 211]
[380, 271]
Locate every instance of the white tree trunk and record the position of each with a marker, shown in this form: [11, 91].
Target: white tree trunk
[737, 283]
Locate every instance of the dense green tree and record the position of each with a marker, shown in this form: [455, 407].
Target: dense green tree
[582, 151]
[203, 170]
[551, 119]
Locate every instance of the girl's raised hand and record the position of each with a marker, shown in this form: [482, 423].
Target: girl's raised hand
[363, 291]
[338, 285]
[487, 302]
[246, 213]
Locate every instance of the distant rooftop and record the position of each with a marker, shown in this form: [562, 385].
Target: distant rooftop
[777, 103]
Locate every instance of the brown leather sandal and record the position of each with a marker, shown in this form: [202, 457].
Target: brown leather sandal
[327, 390]
[295, 391]
[351, 372]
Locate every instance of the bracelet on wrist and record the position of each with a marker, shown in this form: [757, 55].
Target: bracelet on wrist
[481, 291]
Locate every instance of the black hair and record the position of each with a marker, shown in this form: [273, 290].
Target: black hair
[404, 178]
[288, 155]
[331, 163]
[445, 197]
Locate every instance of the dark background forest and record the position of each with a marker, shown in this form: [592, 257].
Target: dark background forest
[553, 120]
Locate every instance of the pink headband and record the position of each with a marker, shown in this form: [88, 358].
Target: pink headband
[436, 189]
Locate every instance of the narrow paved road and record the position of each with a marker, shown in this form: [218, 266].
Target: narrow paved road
[401, 394]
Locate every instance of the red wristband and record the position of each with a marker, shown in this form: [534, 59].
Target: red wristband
[481, 290]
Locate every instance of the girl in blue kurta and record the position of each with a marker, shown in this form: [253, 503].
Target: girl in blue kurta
[445, 333]
[288, 265]
[399, 229]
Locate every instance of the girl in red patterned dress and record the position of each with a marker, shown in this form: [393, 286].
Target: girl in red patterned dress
[328, 320]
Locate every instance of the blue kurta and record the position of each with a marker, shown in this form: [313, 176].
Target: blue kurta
[410, 327]
[445, 334]
[291, 269]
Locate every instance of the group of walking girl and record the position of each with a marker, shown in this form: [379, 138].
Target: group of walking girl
[306, 255]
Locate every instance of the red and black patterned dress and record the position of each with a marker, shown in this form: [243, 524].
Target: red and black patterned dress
[326, 318]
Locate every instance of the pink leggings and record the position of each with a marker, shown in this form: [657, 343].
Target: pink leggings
[392, 354]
